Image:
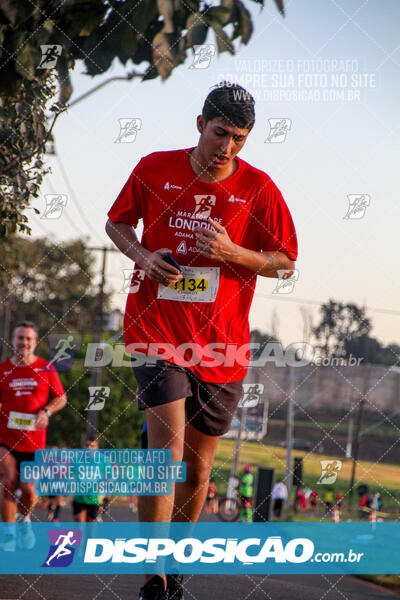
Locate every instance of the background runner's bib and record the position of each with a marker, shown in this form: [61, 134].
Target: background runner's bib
[23, 421]
[199, 284]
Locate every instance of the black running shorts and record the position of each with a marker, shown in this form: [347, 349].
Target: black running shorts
[92, 510]
[210, 407]
[20, 456]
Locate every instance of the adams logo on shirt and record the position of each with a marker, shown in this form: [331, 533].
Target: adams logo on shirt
[63, 543]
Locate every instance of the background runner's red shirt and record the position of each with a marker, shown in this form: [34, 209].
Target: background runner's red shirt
[164, 191]
[26, 390]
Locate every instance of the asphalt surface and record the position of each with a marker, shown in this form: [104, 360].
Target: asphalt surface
[197, 587]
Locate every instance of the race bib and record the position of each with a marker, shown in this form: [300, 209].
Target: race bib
[24, 421]
[199, 284]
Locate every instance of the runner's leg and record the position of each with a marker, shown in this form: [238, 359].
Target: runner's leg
[165, 430]
[28, 498]
[8, 479]
[81, 517]
[199, 453]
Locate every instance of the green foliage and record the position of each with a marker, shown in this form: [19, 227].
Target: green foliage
[22, 129]
[119, 423]
[339, 324]
[344, 330]
[158, 33]
[372, 351]
[50, 284]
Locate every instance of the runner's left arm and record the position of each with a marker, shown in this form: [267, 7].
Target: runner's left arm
[57, 402]
[217, 245]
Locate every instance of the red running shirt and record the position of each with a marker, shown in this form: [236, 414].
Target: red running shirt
[25, 390]
[165, 193]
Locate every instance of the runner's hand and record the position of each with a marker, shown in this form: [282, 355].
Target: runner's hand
[158, 270]
[215, 244]
[42, 420]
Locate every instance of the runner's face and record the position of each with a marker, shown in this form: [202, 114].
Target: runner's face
[24, 341]
[220, 142]
[93, 445]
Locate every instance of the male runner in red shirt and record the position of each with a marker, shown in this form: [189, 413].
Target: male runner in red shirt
[25, 410]
[224, 222]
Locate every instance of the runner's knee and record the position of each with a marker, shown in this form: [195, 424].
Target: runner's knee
[197, 473]
[9, 485]
[28, 494]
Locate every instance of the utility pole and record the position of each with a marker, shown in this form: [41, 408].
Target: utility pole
[289, 431]
[231, 493]
[349, 402]
[349, 437]
[356, 444]
[95, 381]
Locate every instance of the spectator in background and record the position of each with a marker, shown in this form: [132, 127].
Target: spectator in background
[246, 495]
[328, 499]
[339, 499]
[313, 500]
[212, 500]
[376, 502]
[364, 500]
[300, 501]
[86, 508]
[279, 496]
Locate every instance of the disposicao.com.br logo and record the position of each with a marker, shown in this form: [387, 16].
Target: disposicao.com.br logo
[248, 551]
[63, 543]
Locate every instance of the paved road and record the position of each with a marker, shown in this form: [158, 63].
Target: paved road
[197, 587]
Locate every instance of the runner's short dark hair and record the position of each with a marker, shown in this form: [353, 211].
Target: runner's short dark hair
[231, 102]
[91, 438]
[30, 324]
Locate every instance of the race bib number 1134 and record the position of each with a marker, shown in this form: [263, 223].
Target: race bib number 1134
[199, 284]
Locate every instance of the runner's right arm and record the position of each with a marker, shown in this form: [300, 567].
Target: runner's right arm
[124, 237]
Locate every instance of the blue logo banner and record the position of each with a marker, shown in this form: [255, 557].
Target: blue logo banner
[214, 548]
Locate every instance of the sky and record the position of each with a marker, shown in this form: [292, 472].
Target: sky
[330, 72]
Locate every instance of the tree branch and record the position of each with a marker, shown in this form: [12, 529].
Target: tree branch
[11, 164]
[128, 77]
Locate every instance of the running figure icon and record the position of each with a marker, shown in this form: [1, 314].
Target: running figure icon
[62, 347]
[62, 549]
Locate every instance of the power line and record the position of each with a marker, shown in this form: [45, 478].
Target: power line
[388, 311]
[70, 221]
[73, 197]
